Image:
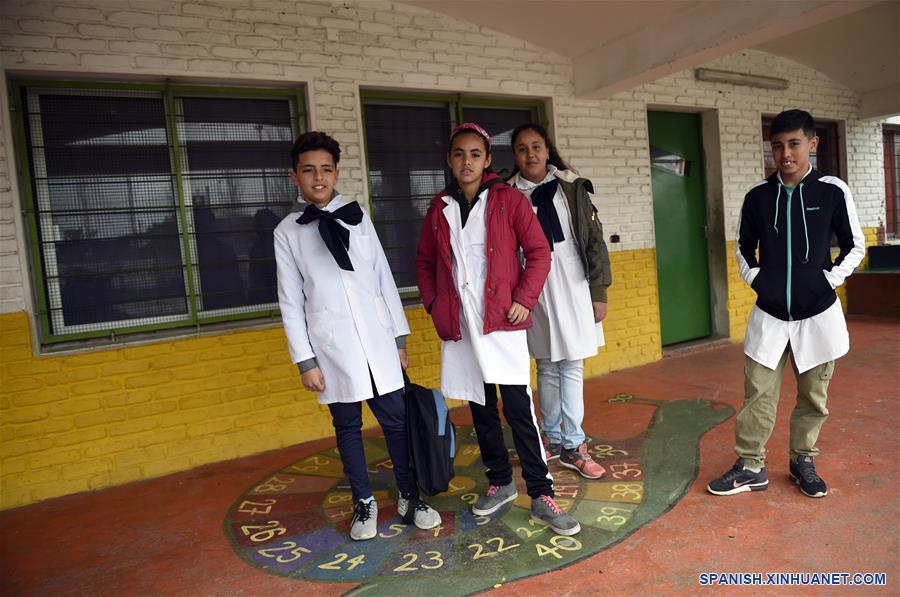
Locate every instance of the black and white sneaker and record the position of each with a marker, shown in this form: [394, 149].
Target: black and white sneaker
[365, 520]
[424, 516]
[803, 472]
[739, 480]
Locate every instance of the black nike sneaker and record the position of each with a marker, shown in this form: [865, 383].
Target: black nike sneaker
[739, 480]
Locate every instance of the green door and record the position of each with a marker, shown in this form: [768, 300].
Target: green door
[679, 215]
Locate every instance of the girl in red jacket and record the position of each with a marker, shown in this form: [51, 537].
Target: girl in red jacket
[472, 283]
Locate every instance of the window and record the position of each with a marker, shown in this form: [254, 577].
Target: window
[406, 149]
[892, 181]
[153, 207]
[826, 158]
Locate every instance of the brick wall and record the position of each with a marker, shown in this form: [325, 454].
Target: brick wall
[101, 417]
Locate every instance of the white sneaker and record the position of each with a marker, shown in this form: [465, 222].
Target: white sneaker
[425, 517]
[365, 520]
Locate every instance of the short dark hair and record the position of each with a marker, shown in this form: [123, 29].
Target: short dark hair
[310, 142]
[791, 120]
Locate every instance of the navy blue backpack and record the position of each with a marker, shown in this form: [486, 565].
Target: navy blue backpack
[432, 438]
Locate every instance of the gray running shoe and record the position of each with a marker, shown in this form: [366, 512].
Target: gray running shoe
[365, 520]
[545, 510]
[425, 517]
[495, 497]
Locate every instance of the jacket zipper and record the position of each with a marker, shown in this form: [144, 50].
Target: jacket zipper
[790, 250]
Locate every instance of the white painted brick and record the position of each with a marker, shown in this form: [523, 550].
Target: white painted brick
[133, 47]
[156, 6]
[107, 31]
[230, 25]
[176, 22]
[206, 10]
[54, 58]
[133, 19]
[302, 73]
[185, 50]
[231, 52]
[307, 57]
[256, 41]
[161, 63]
[223, 66]
[45, 27]
[157, 34]
[259, 68]
[346, 24]
[275, 31]
[106, 60]
[80, 44]
[27, 41]
[77, 15]
[278, 55]
[380, 28]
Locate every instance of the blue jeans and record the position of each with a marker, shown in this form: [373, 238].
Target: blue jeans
[390, 411]
[561, 389]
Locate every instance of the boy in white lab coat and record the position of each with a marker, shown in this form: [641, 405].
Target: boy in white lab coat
[345, 325]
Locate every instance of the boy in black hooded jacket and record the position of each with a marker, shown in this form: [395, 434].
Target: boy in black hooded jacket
[790, 217]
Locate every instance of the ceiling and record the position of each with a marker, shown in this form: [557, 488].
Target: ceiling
[854, 42]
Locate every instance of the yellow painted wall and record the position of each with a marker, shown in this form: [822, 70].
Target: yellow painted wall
[84, 421]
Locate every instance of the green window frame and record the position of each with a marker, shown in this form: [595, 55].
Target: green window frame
[154, 144]
[402, 180]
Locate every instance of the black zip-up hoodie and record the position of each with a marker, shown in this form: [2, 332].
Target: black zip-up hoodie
[793, 232]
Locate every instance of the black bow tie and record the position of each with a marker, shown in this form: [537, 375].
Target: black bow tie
[542, 198]
[336, 237]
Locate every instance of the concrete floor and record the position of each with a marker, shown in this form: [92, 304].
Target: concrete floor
[165, 536]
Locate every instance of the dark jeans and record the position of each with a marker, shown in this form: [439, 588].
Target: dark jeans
[390, 411]
[519, 413]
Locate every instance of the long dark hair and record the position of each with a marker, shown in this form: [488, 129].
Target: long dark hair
[554, 158]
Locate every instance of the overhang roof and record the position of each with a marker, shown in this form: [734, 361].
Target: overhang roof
[618, 44]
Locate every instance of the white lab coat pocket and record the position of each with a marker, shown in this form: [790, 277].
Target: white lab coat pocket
[384, 314]
[321, 328]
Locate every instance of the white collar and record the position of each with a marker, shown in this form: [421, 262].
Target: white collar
[524, 184]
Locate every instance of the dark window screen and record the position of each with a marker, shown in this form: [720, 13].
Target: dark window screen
[236, 159]
[407, 148]
[104, 199]
[407, 156]
[110, 229]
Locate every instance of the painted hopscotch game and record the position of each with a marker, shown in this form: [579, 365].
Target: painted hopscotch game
[295, 522]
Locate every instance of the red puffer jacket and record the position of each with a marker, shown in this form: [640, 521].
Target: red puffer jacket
[511, 224]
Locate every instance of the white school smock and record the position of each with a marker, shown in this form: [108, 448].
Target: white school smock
[564, 328]
[500, 357]
[347, 320]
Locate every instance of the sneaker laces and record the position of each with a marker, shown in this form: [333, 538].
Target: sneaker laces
[421, 506]
[734, 473]
[363, 510]
[808, 471]
[551, 504]
[492, 490]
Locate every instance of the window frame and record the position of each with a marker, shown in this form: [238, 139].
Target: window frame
[168, 93]
[456, 104]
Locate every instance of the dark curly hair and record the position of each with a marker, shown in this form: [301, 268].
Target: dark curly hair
[311, 141]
